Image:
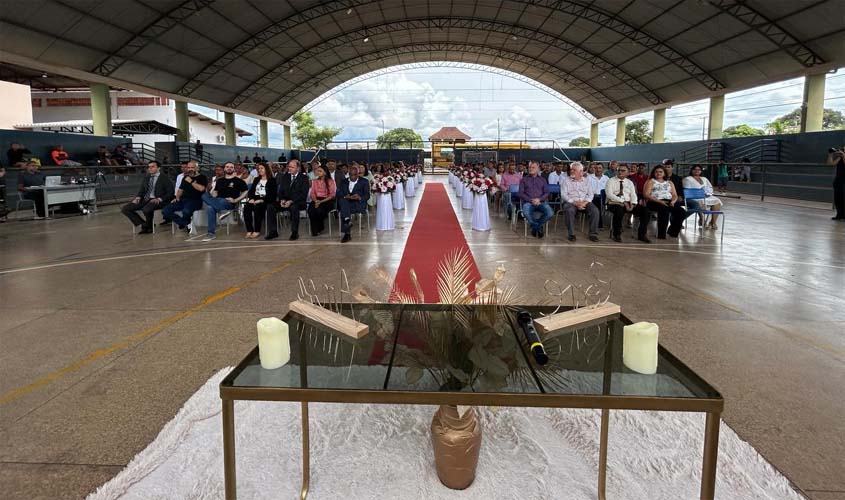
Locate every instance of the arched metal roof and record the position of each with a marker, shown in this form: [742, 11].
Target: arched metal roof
[271, 58]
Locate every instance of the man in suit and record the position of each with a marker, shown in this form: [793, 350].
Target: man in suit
[154, 193]
[352, 196]
[292, 197]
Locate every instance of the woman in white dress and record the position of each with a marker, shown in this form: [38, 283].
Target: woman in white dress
[695, 181]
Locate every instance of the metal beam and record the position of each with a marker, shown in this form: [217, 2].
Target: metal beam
[444, 23]
[769, 29]
[423, 49]
[148, 34]
[570, 7]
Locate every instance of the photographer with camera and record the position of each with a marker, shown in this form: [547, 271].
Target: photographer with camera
[836, 158]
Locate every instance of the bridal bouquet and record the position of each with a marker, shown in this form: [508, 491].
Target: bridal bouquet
[482, 185]
[384, 184]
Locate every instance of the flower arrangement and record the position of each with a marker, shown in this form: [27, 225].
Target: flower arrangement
[483, 185]
[468, 175]
[400, 174]
[383, 184]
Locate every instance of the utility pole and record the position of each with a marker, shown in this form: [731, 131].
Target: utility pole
[703, 128]
[382, 126]
[525, 128]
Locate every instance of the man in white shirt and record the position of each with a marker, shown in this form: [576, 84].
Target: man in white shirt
[621, 196]
[184, 166]
[597, 180]
[577, 194]
[557, 176]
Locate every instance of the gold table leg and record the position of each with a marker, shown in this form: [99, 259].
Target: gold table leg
[605, 420]
[229, 449]
[306, 459]
[711, 453]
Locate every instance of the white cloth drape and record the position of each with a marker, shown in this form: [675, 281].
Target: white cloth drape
[399, 197]
[459, 188]
[480, 213]
[411, 187]
[466, 201]
[384, 212]
[419, 178]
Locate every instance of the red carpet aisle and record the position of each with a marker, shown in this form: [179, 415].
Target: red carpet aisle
[435, 233]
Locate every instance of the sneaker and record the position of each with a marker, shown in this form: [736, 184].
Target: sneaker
[209, 237]
[223, 215]
[346, 238]
[617, 239]
[38, 217]
[571, 238]
[594, 238]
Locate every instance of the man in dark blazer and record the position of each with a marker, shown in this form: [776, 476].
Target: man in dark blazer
[154, 193]
[352, 196]
[293, 196]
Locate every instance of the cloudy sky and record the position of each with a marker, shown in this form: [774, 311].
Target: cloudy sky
[484, 104]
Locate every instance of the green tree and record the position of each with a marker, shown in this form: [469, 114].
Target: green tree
[790, 123]
[398, 138]
[580, 142]
[637, 132]
[309, 134]
[742, 131]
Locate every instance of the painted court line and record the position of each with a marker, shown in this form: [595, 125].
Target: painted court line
[132, 339]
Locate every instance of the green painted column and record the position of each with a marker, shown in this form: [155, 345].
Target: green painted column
[182, 122]
[230, 129]
[620, 131]
[594, 135]
[101, 109]
[287, 136]
[812, 107]
[716, 117]
[659, 126]
[263, 137]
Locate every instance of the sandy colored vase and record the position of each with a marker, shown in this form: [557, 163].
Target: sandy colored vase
[457, 442]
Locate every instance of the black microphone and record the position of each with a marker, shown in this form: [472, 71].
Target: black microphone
[527, 323]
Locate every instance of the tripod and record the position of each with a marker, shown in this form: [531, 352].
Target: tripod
[101, 177]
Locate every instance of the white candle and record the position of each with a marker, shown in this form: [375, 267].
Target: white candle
[639, 347]
[273, 343]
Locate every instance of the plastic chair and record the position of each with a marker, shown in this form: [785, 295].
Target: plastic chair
[18, 207]
[701, 212]
[512, 190]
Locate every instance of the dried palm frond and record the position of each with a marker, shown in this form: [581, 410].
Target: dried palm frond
[361, 295]
[417, 287]
[453, 277]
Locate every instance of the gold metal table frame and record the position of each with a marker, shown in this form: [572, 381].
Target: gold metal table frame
[605, 402]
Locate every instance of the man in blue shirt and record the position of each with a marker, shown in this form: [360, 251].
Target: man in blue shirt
[534, 194]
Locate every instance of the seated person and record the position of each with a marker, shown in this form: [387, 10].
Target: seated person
[577, 193]
[534, 194]
[61, 158]
[596, 177]
[323, 192]
[621, 196]
[154, 193]
[293, 185]
[352, 196]
[261, 194]
[188, 196]
[510, 178]
[228, 192]
[3, 210]
[696, 181]
[29, 177]
[104, 157]
[660, 197]
[16, 153]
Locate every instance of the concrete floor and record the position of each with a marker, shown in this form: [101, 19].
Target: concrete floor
[104, 336]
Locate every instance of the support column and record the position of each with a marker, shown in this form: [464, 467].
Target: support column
[101, 109]
[263, 137]
[287, 136]
[659, 126]
[230, 129]
[812, 107]
[716, 117]
[620, 131]
[182, 122]
[594, 135]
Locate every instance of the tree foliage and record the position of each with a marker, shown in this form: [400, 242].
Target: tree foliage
[309, 134]
[580, 142]
[742, 130]
[399, 138]
[790, 123]
[637, 132]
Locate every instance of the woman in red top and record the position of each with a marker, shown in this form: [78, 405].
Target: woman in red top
[322, 200]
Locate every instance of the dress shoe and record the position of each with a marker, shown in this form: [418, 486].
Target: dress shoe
[533, 232]
[271, 236]
[294, 236]
[837, 218]
[146, 230]
[540, 233]
[644, 239]
[661, 237]
[617, 239]
[346, 238]
[594, 238]
[571, 238]
[164, 222]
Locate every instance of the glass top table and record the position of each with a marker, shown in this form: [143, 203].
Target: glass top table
[466, 355]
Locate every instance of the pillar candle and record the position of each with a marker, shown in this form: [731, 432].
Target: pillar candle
[639, 347]
[273, 343]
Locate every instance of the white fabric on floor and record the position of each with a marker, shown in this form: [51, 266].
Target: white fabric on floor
[384, 451]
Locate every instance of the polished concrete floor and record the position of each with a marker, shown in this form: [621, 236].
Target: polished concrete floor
[104, 336]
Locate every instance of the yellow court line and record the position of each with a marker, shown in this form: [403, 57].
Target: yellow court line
[100, 353]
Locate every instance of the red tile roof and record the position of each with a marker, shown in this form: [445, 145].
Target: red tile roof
[448, 134]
